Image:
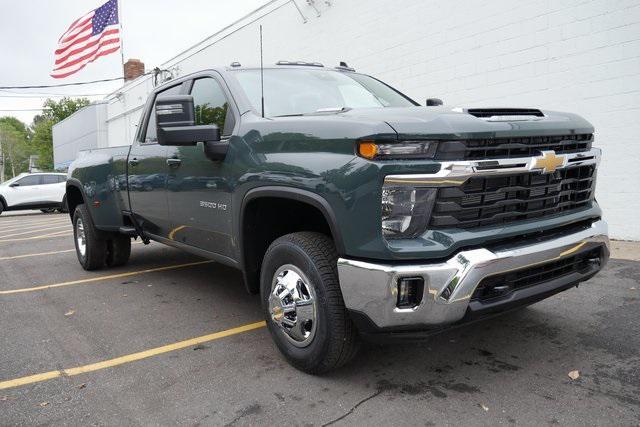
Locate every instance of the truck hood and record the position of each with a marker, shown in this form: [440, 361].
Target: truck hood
[450, 123]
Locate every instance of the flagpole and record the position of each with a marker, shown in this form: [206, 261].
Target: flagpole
[121, 38]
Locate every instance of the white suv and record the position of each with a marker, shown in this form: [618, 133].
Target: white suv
[45, 191]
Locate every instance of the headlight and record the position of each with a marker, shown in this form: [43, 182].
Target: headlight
[406, 210]
[397, 150]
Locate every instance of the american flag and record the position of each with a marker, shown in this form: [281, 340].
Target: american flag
[89, 37]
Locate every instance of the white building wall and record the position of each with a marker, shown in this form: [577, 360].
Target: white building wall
[85, 129]
[123, 111]
[573, 55]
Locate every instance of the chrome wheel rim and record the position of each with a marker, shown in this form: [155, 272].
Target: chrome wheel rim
[81, 239]
[293, 305]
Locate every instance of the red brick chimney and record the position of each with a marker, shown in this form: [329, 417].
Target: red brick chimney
[133, 69]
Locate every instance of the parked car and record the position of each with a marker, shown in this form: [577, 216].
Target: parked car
[352, 210]
[45, 191]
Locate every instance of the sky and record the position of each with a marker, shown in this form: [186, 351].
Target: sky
[153, 31]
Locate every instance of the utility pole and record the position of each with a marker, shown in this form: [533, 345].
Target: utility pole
[121, 37]
[1, 159]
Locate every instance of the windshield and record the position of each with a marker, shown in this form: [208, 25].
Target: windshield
[297, 91]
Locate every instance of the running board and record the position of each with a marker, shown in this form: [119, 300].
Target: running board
[136, 230]
[128, 231]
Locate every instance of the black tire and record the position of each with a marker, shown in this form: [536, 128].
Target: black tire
[1, 207]
[95, 255]
[118, 250]
[335, 341]
[64, 207]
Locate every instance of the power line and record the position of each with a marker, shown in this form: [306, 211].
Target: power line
[62, 84]
[24, 109]
[53, 95]
[37, 93]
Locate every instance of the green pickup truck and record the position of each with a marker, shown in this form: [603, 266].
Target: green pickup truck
[353, 211]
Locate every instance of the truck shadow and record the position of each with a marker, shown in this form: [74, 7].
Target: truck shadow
[540, 343]
[579, 329]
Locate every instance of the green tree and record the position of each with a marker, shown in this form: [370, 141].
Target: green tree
[60, 110]
[15, 124]
[14, 147]
[42, 142]
[54, 112]
[207, 115]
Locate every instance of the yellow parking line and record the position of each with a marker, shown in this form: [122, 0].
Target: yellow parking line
[100, 278]
[34, 226]
[32, 221]
[6, 258]
[37, 254]
[35, 231]
[23, 226]
[129, 357]
[44, 236]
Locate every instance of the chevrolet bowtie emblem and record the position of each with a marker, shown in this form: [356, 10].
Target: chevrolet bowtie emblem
[548, 162]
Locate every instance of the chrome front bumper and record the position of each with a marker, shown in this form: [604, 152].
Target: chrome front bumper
[371, 288]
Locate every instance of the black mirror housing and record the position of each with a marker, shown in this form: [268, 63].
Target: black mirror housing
[175, 110]
[188, 135]
[433, 102]
[175, 121]
[14, 184]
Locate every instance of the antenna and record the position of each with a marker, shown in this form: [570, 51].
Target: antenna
[261, 74]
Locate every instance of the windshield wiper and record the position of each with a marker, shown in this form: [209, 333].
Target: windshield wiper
[319, 111]
[332, 110]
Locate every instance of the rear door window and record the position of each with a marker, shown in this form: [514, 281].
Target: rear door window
[50, 179]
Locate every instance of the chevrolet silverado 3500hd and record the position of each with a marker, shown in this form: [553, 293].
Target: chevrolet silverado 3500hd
[352, 210]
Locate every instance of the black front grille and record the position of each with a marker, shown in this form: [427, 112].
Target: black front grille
[505, 148]
[502, 285]
[496, 200]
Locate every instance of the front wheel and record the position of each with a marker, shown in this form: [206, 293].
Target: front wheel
[303, 304]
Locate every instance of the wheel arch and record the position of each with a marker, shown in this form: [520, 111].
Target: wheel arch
[75, 196]
[312, 203]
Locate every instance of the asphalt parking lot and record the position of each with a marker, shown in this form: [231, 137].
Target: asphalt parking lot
[174, 339]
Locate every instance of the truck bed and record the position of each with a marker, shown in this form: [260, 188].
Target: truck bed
[102, 173]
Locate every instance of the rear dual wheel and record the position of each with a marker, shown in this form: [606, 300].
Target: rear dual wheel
[96, 249]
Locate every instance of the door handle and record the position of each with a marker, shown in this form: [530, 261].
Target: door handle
[174, 162]
[134, 162]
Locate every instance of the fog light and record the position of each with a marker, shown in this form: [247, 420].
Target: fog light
[410, 292]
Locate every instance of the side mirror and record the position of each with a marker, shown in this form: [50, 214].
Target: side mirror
[175, 122]
[433, 102]
[14, 184]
